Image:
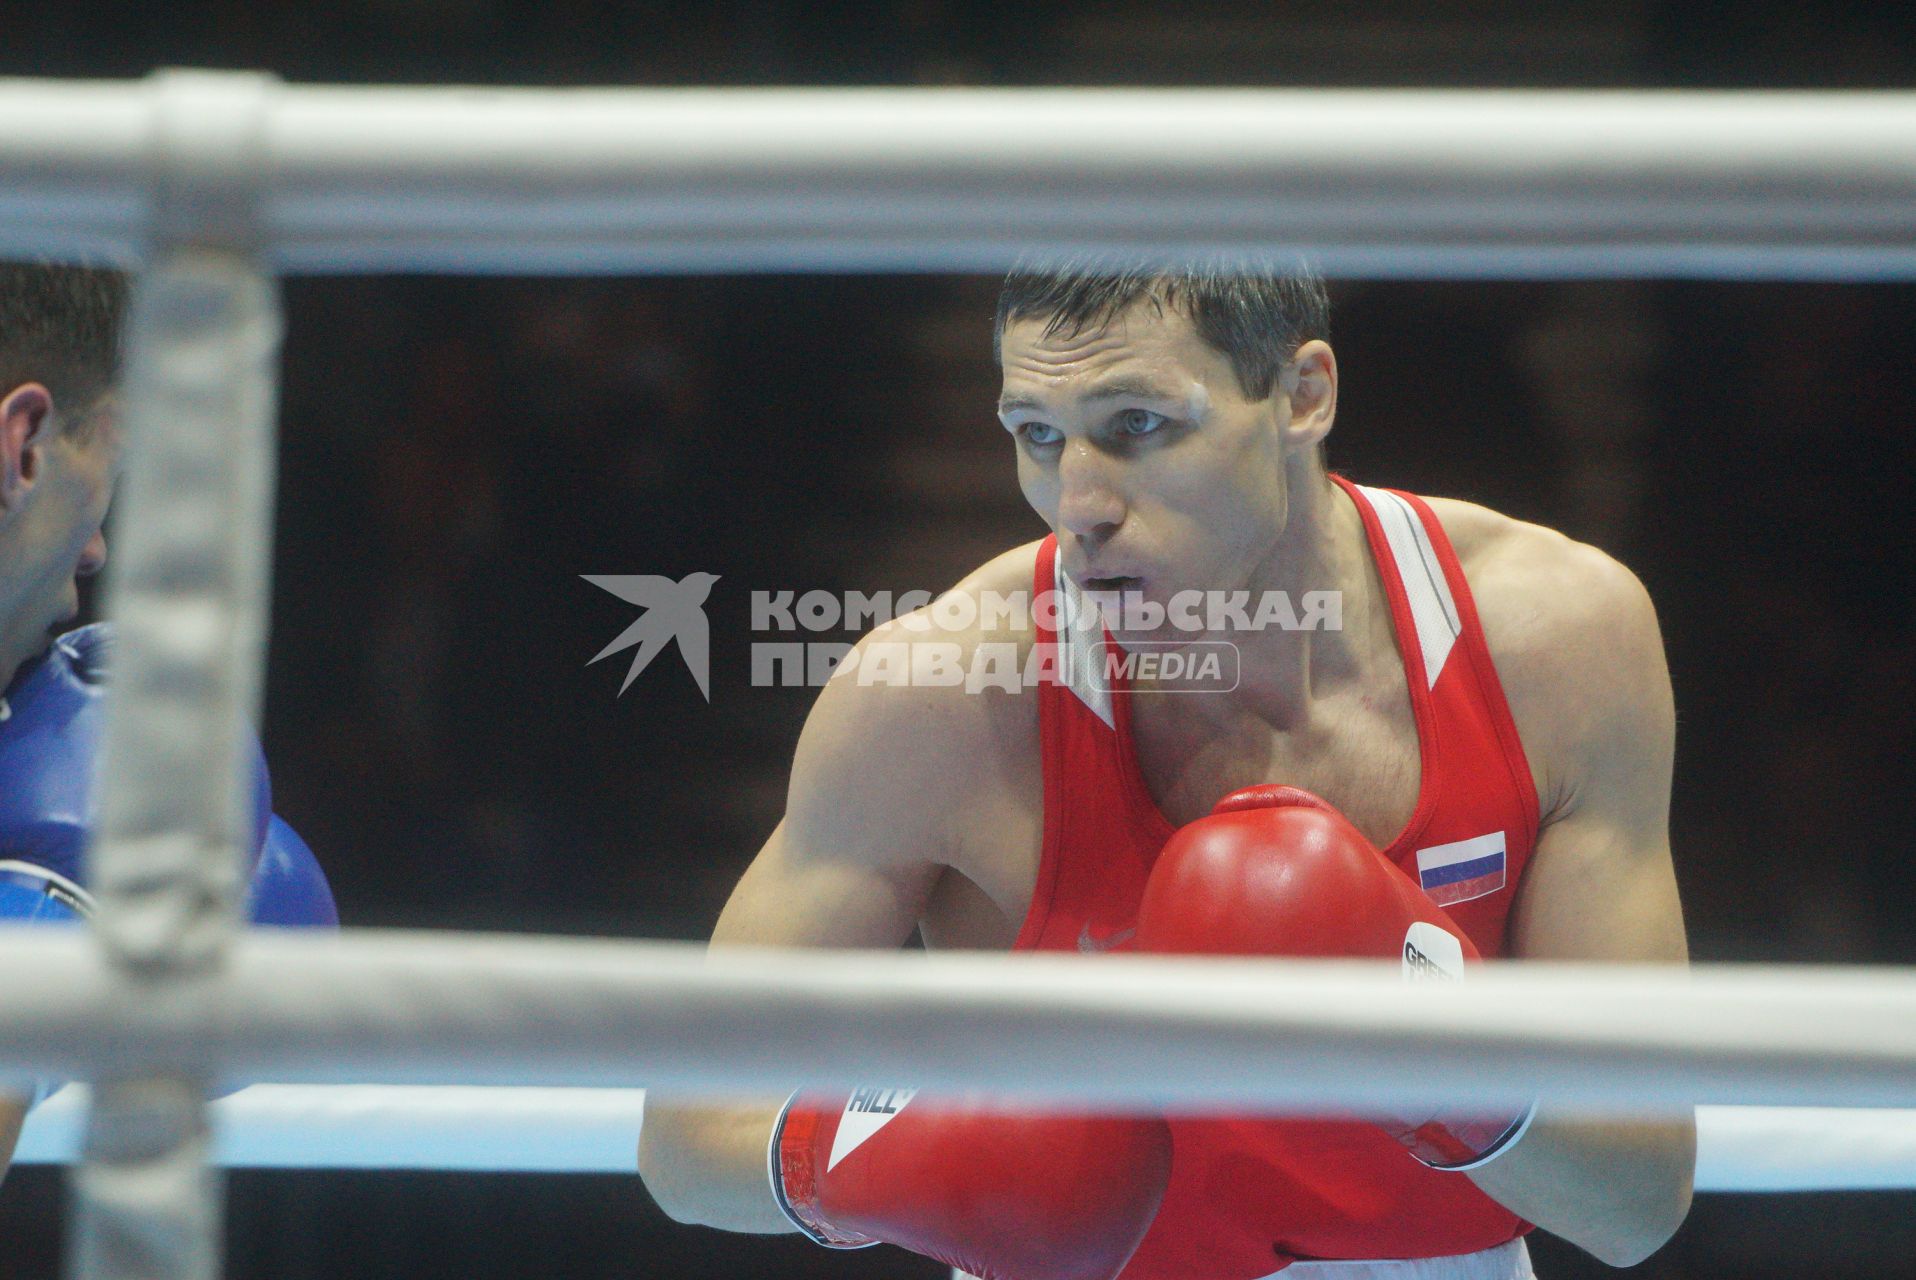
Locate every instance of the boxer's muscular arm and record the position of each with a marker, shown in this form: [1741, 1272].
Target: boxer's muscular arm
[876, 783]
[1582, 662]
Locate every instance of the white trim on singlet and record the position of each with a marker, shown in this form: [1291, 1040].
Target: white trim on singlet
[1080, 648]
[1433, 610]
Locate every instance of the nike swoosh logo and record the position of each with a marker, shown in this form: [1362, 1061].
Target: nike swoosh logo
[1088, 944]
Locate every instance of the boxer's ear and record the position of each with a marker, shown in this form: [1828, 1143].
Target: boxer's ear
[1309, 383]
[26, 415]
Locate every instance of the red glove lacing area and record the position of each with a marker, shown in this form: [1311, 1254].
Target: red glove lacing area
[794, 1181]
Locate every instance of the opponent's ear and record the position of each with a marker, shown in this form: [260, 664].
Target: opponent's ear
[1311, 383]
[26, 414]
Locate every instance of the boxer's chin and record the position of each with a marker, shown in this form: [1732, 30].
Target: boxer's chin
[1118, 601]
[1166, 639]
[1140, 614]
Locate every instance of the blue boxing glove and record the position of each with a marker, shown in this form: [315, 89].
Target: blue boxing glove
[51, 722]
[52, 719]
[288, 886]
[33, 895]
[288, 891]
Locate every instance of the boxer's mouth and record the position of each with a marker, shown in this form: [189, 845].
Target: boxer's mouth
[1123, 582]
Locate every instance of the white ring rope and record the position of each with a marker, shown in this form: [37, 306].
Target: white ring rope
[389, 1007]
[475, 1129]
[1371, 182]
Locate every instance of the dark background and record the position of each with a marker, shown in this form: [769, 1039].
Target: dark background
[457, 452]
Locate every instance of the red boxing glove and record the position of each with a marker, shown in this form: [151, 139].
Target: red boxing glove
[1277, 871]
[1003, 1195]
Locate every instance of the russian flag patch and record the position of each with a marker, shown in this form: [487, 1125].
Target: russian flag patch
[1462, 870]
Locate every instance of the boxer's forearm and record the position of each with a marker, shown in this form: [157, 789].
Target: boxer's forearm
[1617, 1189]
[707, 1165]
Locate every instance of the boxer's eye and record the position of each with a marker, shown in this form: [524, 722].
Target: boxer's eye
[1137, 422]
[1038, 434]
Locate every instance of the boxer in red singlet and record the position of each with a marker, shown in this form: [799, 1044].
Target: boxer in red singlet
[1491, 713]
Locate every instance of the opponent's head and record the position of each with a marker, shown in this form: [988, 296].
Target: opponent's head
[1165, 418]
[59, 443]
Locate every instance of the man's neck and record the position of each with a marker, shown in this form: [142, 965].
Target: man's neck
[1284, 671]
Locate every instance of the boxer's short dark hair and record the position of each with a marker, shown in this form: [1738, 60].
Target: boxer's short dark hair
[60, 326]
[1256, 312]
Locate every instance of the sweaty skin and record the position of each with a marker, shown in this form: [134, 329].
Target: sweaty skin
[55, 487]
[921, 806]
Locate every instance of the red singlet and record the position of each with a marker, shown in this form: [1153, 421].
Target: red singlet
[1249, 1197]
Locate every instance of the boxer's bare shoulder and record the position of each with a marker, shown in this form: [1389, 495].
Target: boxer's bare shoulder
[915, 790]
[1575, 640]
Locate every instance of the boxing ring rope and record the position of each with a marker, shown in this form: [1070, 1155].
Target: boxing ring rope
[478, 1129]
[434, 1007]
[217, 183]
[394, 1007]
[1371, 183]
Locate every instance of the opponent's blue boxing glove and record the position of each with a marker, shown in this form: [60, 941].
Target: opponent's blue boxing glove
[288, 891]
[51, 722]
[52, 719]
[289, 888]
[33, 895]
